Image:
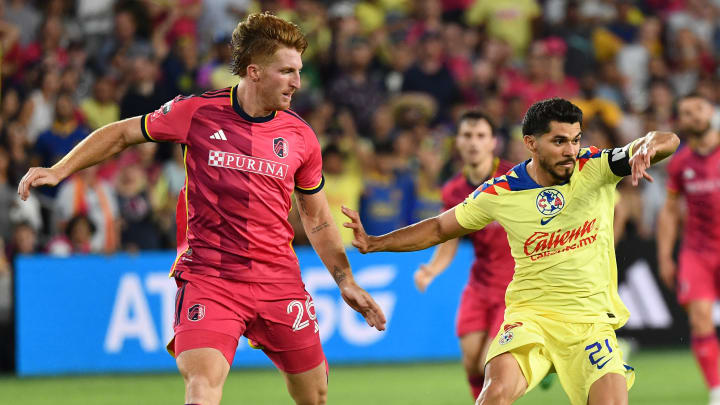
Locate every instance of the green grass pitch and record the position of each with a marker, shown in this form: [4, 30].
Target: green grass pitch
[663, 378]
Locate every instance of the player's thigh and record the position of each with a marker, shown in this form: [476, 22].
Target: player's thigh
[584, 354]
[203, 366]
[472, 345]
[610, 389]
[504, 379]
[524, 338]
[485, 348]
[700, 316]
[694, 278]
[287, 328]
[475, 312]
[496, 315]
[309, 387]
[208, 316]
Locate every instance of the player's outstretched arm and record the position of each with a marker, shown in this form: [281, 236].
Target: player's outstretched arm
[667, 226]
[98, 146]
[418, 236]
[325, 239]
[648, 150]
[441, 259]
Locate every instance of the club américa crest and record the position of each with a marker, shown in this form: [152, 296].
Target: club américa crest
[281, 147]
[550, 202]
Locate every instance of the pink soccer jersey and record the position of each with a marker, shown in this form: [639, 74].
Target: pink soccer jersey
[240, 173]
[697, 179]
[493, 266]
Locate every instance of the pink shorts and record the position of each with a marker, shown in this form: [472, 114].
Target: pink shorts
[481, 309]
[698, 276]
[215, 312]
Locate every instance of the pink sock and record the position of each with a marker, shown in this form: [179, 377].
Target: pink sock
[706, 351]
[476, 384]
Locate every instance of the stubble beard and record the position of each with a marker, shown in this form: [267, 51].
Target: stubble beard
[556, 174]
[692, 132]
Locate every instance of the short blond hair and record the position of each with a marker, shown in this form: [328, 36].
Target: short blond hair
[259, 36]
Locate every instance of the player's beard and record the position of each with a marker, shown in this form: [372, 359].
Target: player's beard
[282, 105]
[474, 160]
[695, 132]
[273, 100]
[560, 174]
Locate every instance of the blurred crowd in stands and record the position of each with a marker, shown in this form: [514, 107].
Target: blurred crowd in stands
[383, 81]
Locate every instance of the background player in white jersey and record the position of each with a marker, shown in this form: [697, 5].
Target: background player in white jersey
[557, 209]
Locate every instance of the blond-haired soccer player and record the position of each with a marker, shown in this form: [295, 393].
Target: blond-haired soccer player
[562, 304]
[245, 152]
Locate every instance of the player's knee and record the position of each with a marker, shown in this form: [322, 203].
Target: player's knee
[700, 319]
[199, 385]
[618, 399]
[699, 327]
[497, 392]
[317, 396]
[322, 395]
[472, 364]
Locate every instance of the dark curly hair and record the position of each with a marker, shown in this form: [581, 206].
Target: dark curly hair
[538, 116]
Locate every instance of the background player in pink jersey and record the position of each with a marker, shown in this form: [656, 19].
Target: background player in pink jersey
[483, 300]
[694, 175]
[245, 152]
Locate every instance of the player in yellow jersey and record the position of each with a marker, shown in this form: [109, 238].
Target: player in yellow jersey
[557, 209]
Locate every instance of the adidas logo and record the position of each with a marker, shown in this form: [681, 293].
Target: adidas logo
[643, 298]
[219, 135]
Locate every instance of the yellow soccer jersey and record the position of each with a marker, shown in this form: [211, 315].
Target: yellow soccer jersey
[561, 237]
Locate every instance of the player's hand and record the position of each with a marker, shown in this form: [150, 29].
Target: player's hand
[668, 268]
[359, 300]
[640, 162]
[362, 240]
[35, 177]
[423, 277]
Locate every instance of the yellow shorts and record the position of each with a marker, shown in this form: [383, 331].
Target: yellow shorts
[580, 353]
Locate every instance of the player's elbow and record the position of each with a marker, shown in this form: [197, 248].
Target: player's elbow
[667, 218]
[668, 143]
[441, 232]
[665, 144]
[673, 142]
[435, 237]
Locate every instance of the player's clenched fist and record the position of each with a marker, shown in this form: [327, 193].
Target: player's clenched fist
[362, 240]
[35, 177]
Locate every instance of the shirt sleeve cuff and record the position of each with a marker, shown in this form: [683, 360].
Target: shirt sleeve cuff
[143, 128]
[312, 190]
